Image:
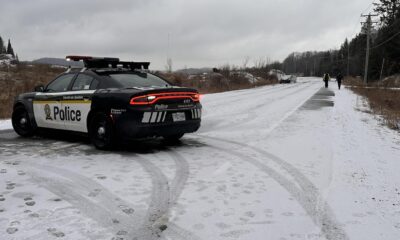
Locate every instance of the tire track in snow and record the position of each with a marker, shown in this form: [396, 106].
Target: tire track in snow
[74, 188]
[177, 185]
[97, 212]
[252, 114]
[159, 202]
[164, 196]
[308, 195]
[181, 176]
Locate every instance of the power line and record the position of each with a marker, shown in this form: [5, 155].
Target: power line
[386, 41]
[369, 6]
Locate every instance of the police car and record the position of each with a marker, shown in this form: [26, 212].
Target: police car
[109, 99]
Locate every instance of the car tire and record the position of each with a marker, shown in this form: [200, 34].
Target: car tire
[173, 138]
[102, 132]
[21, 122]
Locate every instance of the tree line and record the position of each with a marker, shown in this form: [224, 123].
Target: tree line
[349, 59]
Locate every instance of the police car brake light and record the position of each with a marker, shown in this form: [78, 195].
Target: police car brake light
[151, 99]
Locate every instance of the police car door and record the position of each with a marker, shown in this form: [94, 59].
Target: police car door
[47, 104]
[78, 101]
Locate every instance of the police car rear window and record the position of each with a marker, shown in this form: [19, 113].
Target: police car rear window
[139, 80]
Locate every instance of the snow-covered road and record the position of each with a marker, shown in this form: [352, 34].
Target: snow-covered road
[277, 162]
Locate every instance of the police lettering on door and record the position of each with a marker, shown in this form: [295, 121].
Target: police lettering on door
[65, 114]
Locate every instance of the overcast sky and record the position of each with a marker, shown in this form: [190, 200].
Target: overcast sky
[201, 33]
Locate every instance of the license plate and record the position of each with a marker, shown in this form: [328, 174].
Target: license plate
[178, 117]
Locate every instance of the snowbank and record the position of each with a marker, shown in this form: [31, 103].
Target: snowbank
[5, 124]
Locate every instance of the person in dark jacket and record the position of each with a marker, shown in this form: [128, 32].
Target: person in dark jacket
[339, 79]
[326, 79]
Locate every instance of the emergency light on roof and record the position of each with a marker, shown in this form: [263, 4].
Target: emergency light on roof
[107, 62]
[86, 58]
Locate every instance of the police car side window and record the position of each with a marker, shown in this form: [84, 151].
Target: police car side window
[60, 84]
[84, 82]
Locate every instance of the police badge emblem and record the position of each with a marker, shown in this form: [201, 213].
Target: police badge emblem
[47, 111]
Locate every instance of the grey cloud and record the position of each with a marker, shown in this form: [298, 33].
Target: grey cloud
[202, 33]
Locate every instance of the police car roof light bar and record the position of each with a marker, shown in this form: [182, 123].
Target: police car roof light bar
[106, 62]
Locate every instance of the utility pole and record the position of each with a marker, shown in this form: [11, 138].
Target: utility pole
[368, 26]
[383, 64]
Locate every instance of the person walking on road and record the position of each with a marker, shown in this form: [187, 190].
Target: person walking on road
[326, 79]
[339, 79]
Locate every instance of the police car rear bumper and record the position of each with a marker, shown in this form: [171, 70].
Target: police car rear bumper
[129, 130]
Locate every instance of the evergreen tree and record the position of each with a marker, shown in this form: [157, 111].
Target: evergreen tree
[388, 10]
[1, 46]
[10, 50]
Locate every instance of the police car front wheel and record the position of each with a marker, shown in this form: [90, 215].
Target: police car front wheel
[21, 123]
[102, 132]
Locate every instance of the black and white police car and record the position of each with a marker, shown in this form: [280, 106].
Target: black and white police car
[109, 100]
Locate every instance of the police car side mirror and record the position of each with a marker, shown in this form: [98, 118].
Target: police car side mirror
[39, 88]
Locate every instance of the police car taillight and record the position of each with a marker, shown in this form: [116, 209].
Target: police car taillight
[196, 97]
[153, 98]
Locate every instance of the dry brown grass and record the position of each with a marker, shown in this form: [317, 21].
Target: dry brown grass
[21, 79]
[214, 82]
[352, 81]
[384, 102]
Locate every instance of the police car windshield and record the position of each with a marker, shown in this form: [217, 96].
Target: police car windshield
[131, 80]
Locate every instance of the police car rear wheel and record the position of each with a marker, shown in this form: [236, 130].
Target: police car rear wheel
[102, 132]
[21, 123]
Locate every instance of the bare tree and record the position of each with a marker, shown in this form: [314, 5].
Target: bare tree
[168, 67]
[245, 62]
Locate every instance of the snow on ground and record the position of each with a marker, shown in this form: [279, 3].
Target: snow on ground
[277, 162]
[5, 124]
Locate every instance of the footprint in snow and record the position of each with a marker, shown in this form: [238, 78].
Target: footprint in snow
[34, 215]
[222, 225]
[102, 177]
[94, 193]
[122, 232]
[55, 232]
[250, 214]
[12, 230]
[10, 186]
[115, 221]
[235, 233]
[126, 209]
[198, 226]
[3, 170]
[2, 198]
[29, 201]
[287, 214]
